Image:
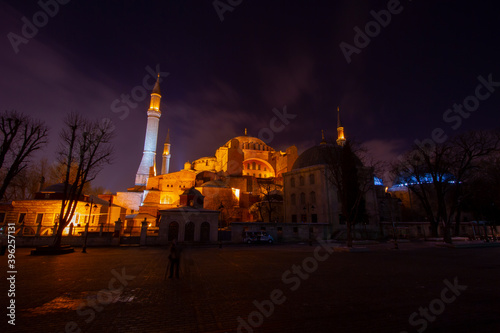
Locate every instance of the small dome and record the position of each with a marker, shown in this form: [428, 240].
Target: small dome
[215, 183]
[192, 191]
[56, 188]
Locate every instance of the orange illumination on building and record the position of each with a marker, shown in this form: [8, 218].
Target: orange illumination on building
[236, 192]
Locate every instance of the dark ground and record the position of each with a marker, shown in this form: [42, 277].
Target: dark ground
[374, 291]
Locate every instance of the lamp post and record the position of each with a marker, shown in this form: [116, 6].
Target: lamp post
[92, 206]
[109, 212]
[396, 247]
[221, 207]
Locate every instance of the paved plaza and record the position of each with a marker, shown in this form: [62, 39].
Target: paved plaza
[259, 288]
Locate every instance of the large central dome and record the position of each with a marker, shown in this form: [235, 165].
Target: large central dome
[250, 142]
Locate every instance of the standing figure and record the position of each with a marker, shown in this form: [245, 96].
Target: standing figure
[174, 258]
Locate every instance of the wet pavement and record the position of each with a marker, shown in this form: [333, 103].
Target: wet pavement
[259, 288]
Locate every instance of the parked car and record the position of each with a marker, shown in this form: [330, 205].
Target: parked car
[257, 237]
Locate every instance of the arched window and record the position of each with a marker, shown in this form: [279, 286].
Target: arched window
[312, 198]
[258, 167]
[301, 181]
[253, 165]
[292, 182]
[205, 232]
[302, 198]
[311, 179]
[173, 231]
[189, 232]
[293, 199]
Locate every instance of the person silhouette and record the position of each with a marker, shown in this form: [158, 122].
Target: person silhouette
[174, 258]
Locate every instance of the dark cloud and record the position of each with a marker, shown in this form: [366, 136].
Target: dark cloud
[228, 76]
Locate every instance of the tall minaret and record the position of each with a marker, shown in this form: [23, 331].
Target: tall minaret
[340, 130]
[165, 165]
[148, 162]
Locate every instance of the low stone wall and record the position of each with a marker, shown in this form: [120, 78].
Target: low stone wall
[144, 236]
[77, 241]
[422, 230]
[282, 232]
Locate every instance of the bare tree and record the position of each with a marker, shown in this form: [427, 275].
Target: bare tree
[353, 180]
[271, 197]
[481, 196]
[425, 171]
[470, 151]
[86, 145]
[25, 184]
[436, 174]
[21, 137]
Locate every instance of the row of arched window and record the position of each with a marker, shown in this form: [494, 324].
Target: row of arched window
[312, 180]
[302, 197]
[180, 186]
[255, 146]
[259, 176]
[173, 231]
[253, 166]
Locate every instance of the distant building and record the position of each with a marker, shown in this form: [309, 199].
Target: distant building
[39, 216]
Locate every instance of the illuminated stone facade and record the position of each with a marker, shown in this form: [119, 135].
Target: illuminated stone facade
[236, 168]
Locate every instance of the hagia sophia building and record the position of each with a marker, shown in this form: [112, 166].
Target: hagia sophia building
[233, 179]
[230, 178]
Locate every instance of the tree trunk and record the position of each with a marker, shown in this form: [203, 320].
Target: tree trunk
[457, 222]
[349, 233]
[58, 238]
[447, 233]
[58, 235]
[434, 229]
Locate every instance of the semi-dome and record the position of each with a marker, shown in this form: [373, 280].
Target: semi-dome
[318, 155]
[192, 191]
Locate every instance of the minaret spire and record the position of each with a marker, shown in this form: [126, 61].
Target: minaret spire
[323, 141]
[148, 162]
[165, 165]
[340, 130]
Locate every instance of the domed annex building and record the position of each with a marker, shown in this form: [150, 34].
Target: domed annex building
[310, 197]
[228, 180]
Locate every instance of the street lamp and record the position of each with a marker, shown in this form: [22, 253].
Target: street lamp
[87, 206]
[221, 207]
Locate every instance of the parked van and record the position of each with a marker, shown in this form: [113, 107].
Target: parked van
[257, 237]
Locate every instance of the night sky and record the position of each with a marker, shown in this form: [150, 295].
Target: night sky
[225, 76]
